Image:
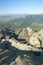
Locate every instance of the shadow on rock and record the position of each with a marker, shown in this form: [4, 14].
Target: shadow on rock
[9, 54]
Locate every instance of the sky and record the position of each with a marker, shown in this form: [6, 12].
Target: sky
[21, 7]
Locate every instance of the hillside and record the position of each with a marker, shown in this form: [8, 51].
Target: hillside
[25, 49]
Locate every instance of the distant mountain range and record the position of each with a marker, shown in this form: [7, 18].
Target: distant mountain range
[19, 21]
[12, 16]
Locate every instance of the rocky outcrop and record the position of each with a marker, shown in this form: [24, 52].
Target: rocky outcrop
[41, 36]
[18, 61]
[25, 33]
[37, 39]
[34, 40]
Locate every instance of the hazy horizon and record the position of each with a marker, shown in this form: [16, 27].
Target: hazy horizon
[20, 14]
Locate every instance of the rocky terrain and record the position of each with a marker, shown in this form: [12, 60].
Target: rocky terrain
[22, 48]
